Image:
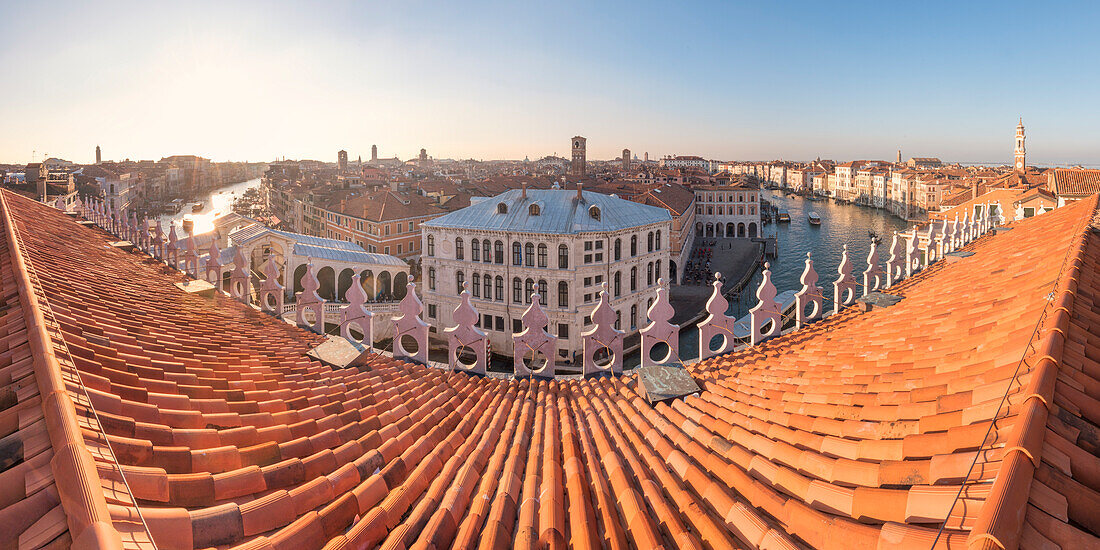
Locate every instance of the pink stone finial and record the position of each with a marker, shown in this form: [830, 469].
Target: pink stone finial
[410, 324]
[308, 300]
[213, 271]
[239, 288]
[534, 340]
[716, 324]
[846, 287]
[465, 335]
[810, 294]
[873, 277]
[603, 337]
[357, 314]
[271, 292]
[660, 329]
[765, 319]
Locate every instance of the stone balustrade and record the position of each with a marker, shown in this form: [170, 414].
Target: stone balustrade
[535, 349]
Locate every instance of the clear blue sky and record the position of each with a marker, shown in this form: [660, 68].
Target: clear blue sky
[236, 81]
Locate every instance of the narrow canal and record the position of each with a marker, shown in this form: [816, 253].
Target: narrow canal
[841, 224]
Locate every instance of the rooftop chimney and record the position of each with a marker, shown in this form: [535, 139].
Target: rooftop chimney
[523, 193]
[974, 190]
[580, 187]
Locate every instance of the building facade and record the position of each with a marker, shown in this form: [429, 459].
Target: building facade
[727, 211]
[562, 244]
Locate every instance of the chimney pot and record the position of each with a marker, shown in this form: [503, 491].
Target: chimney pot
[523, 193]
[580, 188]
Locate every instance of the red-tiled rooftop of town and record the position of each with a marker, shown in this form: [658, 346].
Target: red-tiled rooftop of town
[859, 431]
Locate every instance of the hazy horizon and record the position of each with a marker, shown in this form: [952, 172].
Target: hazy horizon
[504, 81]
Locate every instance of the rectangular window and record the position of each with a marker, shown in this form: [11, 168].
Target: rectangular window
[587, 320]
[588, 281]
[587, 246]
[563, 330]
[587, 258]
[587, 298]
[398, 249]
[387, 250]
[599, 245]
[487, 322]
[500, 323]
[599, 279]
[517, 325]
[599, 257]
[431, 311]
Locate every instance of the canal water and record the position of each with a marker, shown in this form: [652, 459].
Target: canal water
[220, 201]
[840, 224]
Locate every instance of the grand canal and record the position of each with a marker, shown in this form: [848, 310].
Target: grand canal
[841, 224]
[218, 202]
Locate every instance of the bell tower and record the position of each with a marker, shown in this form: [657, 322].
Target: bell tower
[1021, 151]
[577, 167]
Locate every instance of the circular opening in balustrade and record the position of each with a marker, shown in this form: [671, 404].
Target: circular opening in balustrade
[355, 331]
[811, 310]
[717, 343]
[535, 360]
[466, 356]
[848, 295]
[409, 344]
[271, 301]
[767, 327]
[603, 357]
[661, 352]
[309, 315]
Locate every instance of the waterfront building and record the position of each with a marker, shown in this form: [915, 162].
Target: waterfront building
[559, 243]
[731, 210]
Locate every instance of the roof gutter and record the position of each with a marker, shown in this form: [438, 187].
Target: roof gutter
[78, 484]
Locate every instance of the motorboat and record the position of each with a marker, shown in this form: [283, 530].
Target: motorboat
[197, 207]
[814, 218]
[784, 217]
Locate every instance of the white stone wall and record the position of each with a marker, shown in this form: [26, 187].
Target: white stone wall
[445, 295]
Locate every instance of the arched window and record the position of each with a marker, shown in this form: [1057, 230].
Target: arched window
[542, 291]
[657, 270]
[618, 249]
[499, 284]
[529, 255]
[517, 254]
[740, 210]
[634, 316]
[431, 245]
[649, 274]
[633, 245]
[634, 279]
[475, 250]
[528, 290]
[618, 320]
[476, 287]
[486, 246]
[460, 249]
[563, 294]
[502, 208]
[533, 210]
[720, 210]
[618, 284]
[498, 252]
[517, 290]
[594, 211]
[658, 239]
[563, 257]
[459, 279]
[431, 278]
[542, 255]
[487, 283]
[649, 242]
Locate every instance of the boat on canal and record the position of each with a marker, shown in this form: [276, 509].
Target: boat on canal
[784, 217]
[814, 218]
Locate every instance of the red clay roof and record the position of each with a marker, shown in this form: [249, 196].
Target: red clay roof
[1076, 182]
[856, 432]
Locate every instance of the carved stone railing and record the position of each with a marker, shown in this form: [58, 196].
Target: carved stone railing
[766, 319]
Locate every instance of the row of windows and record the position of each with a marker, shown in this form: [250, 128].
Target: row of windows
[525, 254]
[722, 212]
[492, 288]
[710, 197]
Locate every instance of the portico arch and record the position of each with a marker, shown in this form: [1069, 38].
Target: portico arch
[399, 285]
[327, 277]
[366, 278]
[343, 283]
[384, 288]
